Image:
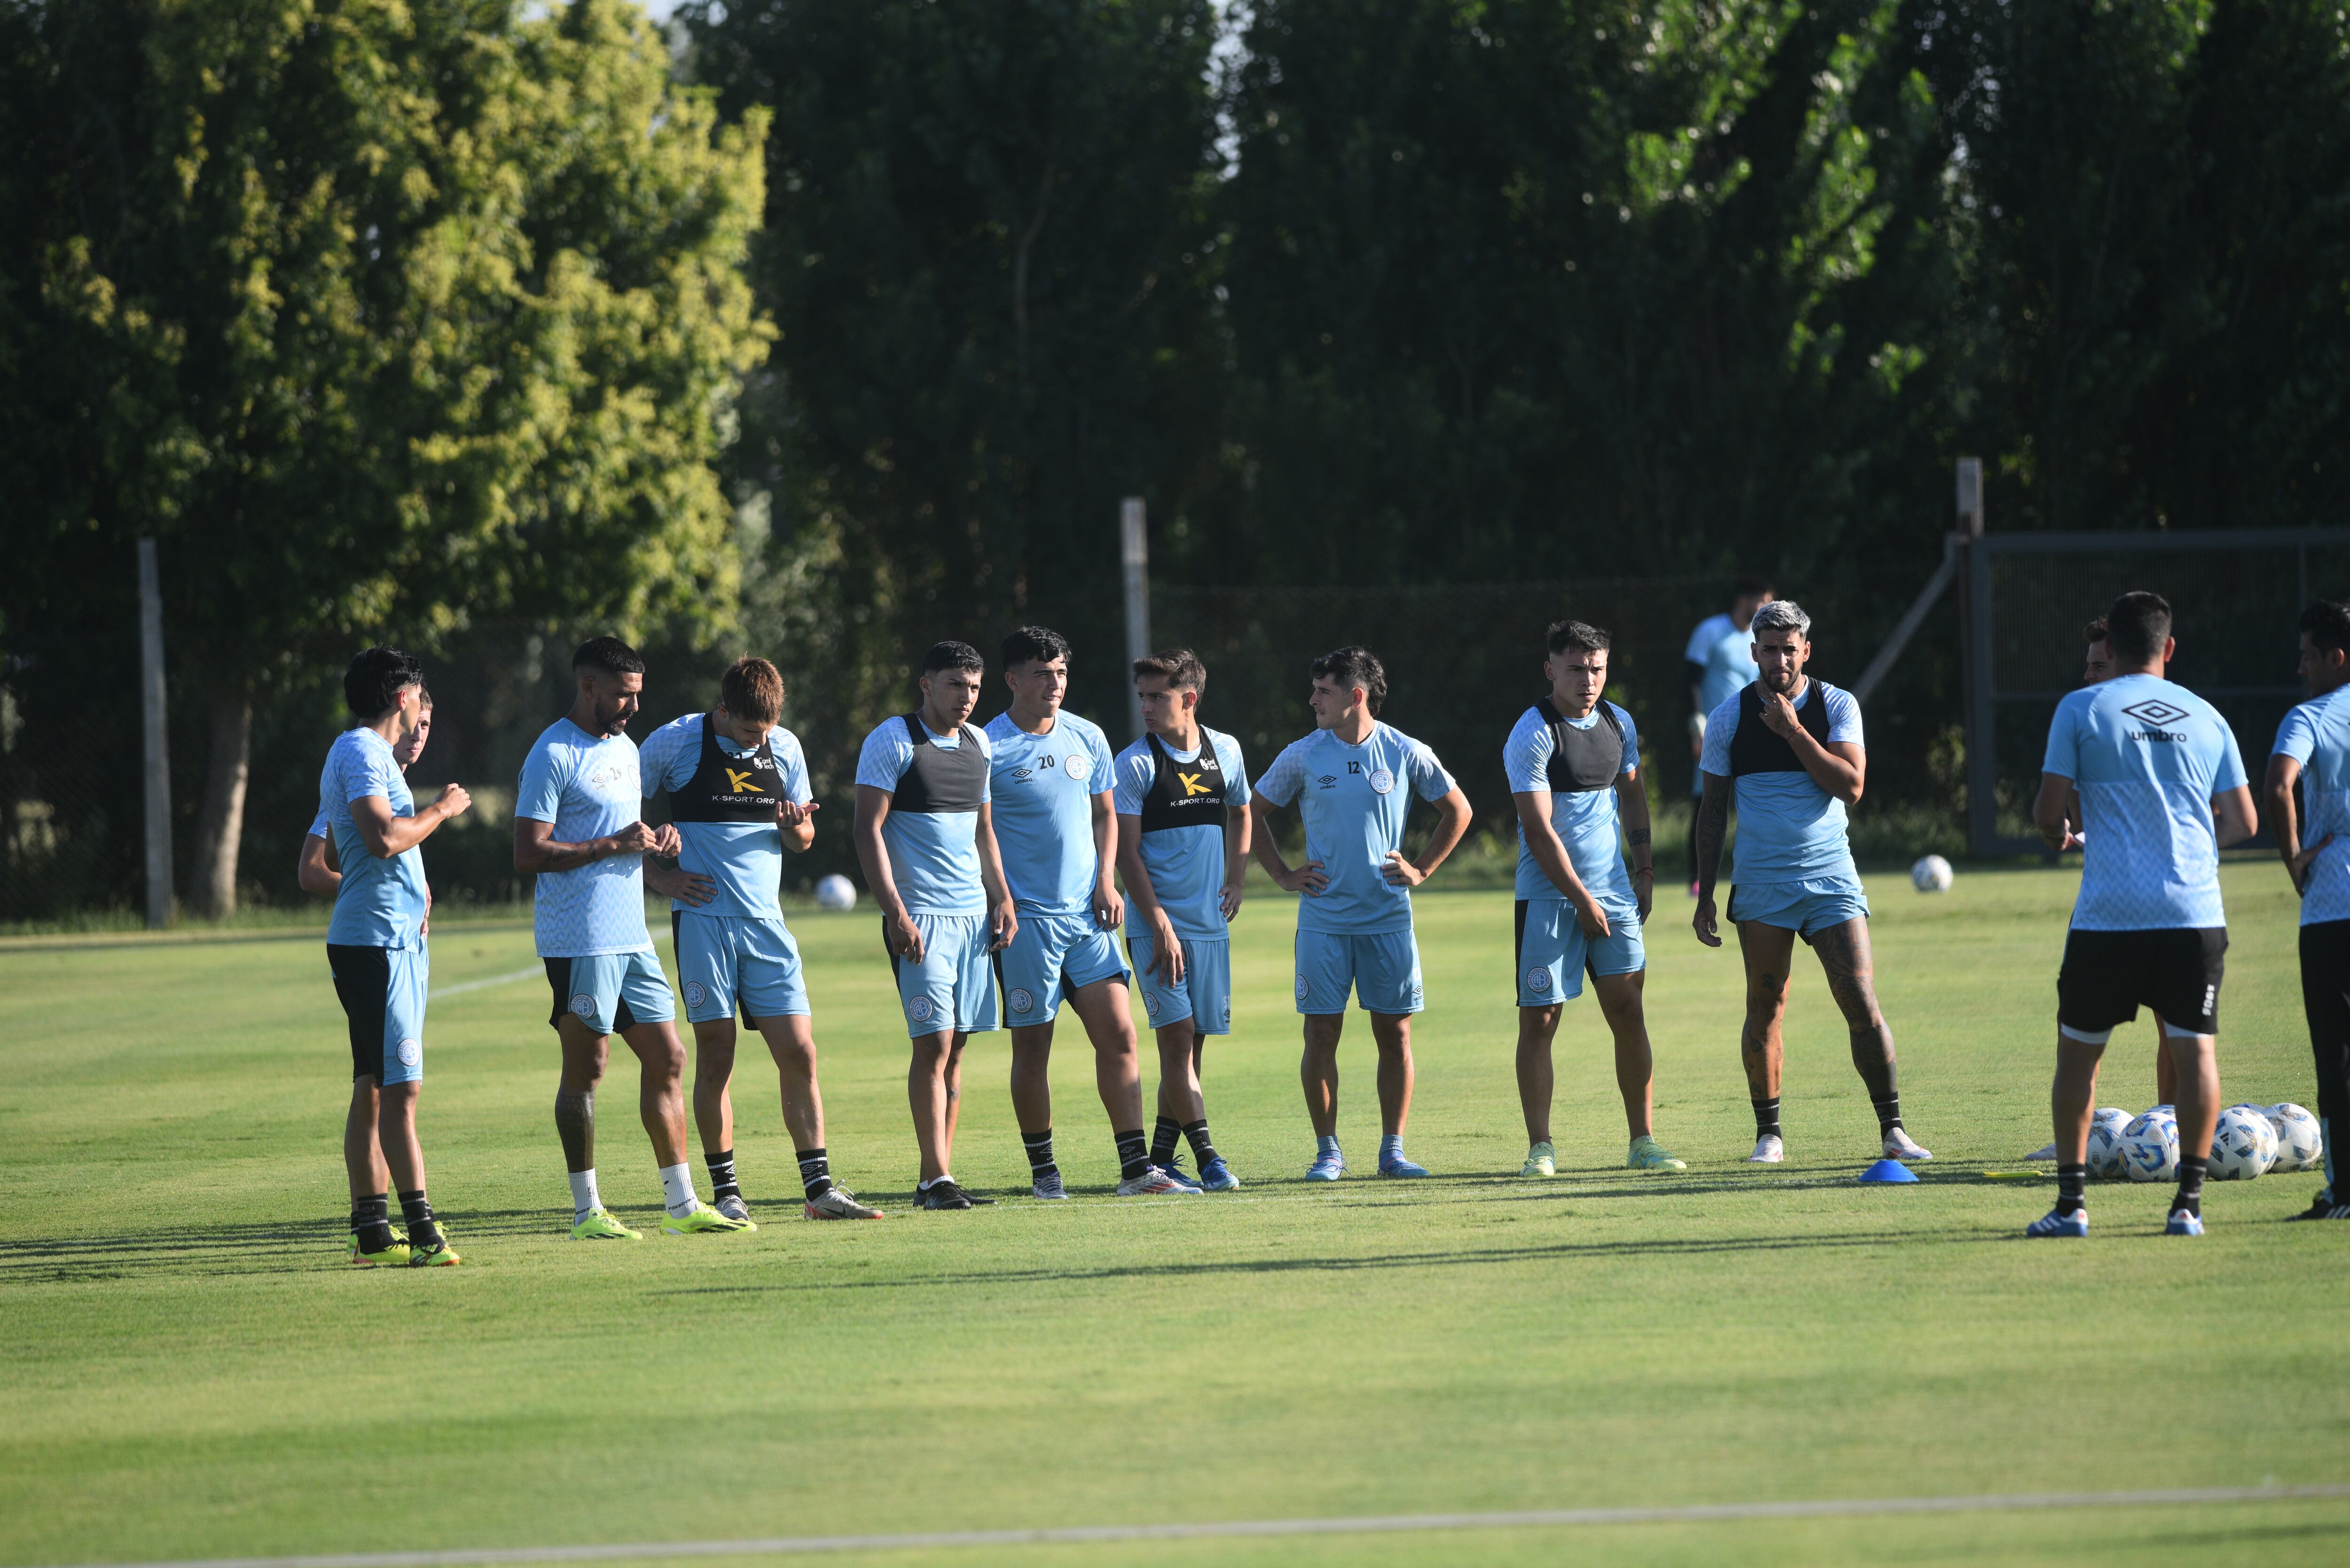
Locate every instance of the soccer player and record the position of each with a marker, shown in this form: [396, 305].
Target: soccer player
[738, 793]
[1786, 752]
[2162, 790]
[375, 951]
[311, 870]
[578, 829]
[925, 838]
[1574, 766]
[1720, 660]
[1183, 850]
[2313, 749]
[1050, 791]
[1353, 781]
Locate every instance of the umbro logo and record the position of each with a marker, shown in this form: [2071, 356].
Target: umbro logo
[2155, 712]
[1328, 781]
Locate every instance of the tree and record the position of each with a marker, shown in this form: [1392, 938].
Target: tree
[382, 316]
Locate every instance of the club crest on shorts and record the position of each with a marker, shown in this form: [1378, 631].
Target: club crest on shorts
[695, 993]
[1020, 999]
[1382, 780]
[1300, 987]
[1075, 764]
[410, 1052]
[584, 1006]
[1538, 978]
[919, 1009]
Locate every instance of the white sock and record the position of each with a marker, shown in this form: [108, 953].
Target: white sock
[676, 1186]
[584, 1200]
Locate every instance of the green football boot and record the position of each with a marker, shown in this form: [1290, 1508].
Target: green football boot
[601, 1227]
[434, 1254]
[1648, 1154]
[395, 1256]
[1541, 1160]
[702, 1219]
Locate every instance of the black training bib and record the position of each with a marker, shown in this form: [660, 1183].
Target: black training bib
[1184, 794]
[943, 778]
[1753, 749]
[1586, 759]
[727, 788]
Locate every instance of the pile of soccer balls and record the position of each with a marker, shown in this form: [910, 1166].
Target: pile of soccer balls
[2250, 1140]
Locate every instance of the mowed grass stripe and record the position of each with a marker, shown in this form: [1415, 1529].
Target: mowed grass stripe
[191, 1374]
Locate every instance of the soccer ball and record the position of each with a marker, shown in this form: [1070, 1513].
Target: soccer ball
[2150, 1148]
[836, 892]
[2301, 1143]
[1931, 874]
[2243, 1145]
[2105, 1144]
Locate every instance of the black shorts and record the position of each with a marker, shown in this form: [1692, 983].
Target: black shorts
[2109, 975]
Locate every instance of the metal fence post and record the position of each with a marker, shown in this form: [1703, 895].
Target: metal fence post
[1135, 539]
[159, 758]
[1975, 627]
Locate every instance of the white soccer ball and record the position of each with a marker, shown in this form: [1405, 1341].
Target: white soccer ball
[2106, 1143]
[2150, 1148]
[836, 892]
[2301, 1142]
[1933, 874]
[2244, 1144]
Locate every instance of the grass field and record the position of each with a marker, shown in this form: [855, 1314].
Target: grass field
[190, 1372]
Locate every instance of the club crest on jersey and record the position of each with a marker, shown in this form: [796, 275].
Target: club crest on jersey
[410, 1052]
[694, 994]
[584, 1006]
[919, 1009]
[1074, 764]
[1382, 780]
[1020, 999]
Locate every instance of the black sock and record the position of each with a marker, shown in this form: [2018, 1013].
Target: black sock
[1040, 1154]
[1888, 1112]
[2071, 1181]
[1133, 1156]
[2191, 1184]
[723, 1184]
[371, 1221]
[1163, 1138]
[1203, 1148]
[1766, 1117]
[815, 1172]
[421, 1231]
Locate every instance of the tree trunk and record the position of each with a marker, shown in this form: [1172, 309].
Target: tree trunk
[220, 827]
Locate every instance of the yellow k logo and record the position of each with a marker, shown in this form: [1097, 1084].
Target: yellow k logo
[1191, 784]
[740, 784]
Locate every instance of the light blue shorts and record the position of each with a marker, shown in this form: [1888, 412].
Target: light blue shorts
[1555, 951]
[1383, 971]
[611, 993]
[954, 986]
[1051, 957]
[725, 963]
[1205, 995]
[1806, 908]
[383, 991]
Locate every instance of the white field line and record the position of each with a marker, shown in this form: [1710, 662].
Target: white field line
[1377, 1524]
[508, 979]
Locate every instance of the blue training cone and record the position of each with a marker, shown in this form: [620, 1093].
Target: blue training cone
[1888, 1171]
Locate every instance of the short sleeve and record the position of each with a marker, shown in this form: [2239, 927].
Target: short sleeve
[1427, 774]
[365, 771]
[886, 756]
[1104, 773]
[1632, 741]
[1720, 727]
[1132, 783]
[1281, 782]
[2231, 772]
[2063, 754]
[1844, 716]
[1526, 756]
[653, 761]
[1700, 641]
[539, 796]
[1228, 757]
[987, 775]
[318, 828]
[792, 762]
[2296, 737]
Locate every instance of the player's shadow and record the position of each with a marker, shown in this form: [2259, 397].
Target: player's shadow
[284, 1247]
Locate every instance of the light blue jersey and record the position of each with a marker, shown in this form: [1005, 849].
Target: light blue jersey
[1709, 631]
[744, 859]
[586, 788]
[1586, 820]
[1729, 667]
[934, 855]
[380, 903]
[1041, 789]
[2317, 735]
[2146, 755]
[1186, 864]
[1789, 828]
[1355, 800]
